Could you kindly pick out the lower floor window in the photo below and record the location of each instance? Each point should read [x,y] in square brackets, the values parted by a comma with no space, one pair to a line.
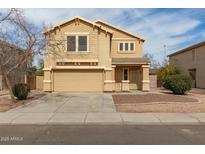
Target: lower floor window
[125,74]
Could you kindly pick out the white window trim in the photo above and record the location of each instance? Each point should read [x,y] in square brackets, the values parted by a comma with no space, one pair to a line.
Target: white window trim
[124,38]
[127,74]
[119,46]
[77,34]
[129,50]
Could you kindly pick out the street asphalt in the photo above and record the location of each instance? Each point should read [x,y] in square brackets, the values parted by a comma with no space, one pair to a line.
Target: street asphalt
[102,134]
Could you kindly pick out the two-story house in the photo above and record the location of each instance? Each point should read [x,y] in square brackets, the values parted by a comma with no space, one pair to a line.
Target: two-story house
[93,56]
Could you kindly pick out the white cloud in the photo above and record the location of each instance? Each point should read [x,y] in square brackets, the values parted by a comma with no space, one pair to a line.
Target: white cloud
[158,27]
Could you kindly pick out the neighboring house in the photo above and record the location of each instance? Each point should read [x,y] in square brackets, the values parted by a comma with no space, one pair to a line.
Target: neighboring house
[191,61]
[94,56]
[19,74]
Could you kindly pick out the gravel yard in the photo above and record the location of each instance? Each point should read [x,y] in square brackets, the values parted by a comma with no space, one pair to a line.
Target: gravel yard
[159,102]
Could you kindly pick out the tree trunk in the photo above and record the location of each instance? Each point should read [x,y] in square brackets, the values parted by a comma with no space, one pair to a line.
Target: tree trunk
[9,84]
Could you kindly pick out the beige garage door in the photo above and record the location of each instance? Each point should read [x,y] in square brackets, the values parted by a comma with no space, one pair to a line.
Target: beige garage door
[78,81]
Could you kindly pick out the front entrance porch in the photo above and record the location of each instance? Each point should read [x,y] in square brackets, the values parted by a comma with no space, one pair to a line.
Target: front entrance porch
[131,77]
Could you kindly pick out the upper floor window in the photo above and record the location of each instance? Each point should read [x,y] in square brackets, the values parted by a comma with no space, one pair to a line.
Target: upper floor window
[77,43]
[126,46]
[71,43]
[121,46]
[132,46]
[82,43]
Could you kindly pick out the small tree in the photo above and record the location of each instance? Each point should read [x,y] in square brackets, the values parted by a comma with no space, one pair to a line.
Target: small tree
[31,70]
[15,33]
[165,71]
[39,70]
[153,62]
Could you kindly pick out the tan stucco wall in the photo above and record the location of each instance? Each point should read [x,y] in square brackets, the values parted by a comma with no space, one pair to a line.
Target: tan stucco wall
[184,61]
[39,82]
[104,56]
[98,44]
[119,36]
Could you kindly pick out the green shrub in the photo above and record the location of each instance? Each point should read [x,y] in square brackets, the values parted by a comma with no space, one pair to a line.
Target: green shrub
[21,91]
[178,84]
[165,71]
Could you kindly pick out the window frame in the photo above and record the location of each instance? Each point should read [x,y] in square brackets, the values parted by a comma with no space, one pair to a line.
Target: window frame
[129,46]
[76,42]
[133,46]
[123,74]
[119,46]
[67,43]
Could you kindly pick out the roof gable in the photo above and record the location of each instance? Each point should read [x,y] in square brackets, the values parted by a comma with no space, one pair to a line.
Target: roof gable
[77,18]
[119,29]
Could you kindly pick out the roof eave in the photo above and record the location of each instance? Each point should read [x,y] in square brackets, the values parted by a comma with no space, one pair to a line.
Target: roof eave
[77,17]
[120,29]
[187,49]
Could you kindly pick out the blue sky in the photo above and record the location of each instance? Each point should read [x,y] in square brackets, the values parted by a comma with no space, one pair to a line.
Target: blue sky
[175,28]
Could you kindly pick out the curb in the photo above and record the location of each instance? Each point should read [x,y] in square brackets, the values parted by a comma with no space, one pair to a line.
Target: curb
[105,123]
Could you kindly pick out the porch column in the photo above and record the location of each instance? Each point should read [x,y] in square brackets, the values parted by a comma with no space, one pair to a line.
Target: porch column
[145,78]
[113,72]
[1,83]
[25,78]
[109,81]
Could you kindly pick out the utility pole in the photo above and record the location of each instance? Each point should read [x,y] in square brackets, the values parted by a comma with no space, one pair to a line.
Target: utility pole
[165,51]
[165,55]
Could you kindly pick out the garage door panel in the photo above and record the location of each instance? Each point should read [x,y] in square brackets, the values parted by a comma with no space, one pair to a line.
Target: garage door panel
[77,81]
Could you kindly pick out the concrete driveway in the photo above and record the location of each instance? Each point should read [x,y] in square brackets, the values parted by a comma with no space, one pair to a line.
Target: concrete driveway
[64,108]
[69,103]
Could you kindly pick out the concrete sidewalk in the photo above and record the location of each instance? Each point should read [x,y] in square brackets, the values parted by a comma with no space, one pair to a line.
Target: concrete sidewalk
[97,118]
